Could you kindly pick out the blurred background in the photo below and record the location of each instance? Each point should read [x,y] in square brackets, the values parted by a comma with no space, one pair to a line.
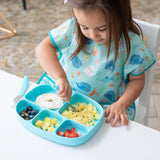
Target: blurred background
[17,54]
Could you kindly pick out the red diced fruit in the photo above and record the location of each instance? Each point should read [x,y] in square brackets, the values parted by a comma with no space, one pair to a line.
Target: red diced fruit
[66,134]
[73,129]
[67,130]
[60,133]
[73,135]
[69,133]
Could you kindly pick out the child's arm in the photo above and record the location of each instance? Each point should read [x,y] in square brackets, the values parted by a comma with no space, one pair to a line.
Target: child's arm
[118,110]
[46,54]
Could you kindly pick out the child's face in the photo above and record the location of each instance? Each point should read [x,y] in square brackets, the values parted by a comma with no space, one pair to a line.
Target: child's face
[93,25]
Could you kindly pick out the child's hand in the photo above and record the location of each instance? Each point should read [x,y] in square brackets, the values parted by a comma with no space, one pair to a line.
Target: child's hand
[65,90]
[117,113]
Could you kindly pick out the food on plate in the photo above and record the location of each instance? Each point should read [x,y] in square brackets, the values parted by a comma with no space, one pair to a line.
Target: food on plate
[69,133]
[49,100]
[84,114]
[48,124]
[28,113]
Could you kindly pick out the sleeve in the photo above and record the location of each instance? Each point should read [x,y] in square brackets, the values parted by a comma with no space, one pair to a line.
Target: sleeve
[140,58]
[62,36]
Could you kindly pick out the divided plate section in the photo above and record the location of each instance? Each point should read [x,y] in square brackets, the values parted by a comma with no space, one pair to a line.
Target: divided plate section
[45,124]
[68,124]
[45,96]
[47,121]
[37,91]
[72,137]
[27,110]
[79,98]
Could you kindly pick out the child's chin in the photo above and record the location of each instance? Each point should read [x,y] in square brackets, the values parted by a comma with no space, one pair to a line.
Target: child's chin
[100,42]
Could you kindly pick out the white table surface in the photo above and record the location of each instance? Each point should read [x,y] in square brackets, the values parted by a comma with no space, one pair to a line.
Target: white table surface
[134,142]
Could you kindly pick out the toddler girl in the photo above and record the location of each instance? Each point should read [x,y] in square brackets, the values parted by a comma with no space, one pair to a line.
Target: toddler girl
[101,55]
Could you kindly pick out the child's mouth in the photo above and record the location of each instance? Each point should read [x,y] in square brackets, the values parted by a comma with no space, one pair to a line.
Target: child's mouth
[98,41]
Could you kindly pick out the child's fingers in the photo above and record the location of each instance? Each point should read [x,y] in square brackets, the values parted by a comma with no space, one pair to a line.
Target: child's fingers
[116,120]
[65,93]
[65,99]
[110,117]
[107,111]
[61,90]
[124,119]
[65,90]
[68,94]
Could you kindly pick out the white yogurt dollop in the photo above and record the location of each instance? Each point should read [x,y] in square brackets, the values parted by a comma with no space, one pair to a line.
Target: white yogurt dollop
[49,100]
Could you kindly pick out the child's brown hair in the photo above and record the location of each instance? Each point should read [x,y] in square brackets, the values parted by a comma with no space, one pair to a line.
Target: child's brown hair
[120,21]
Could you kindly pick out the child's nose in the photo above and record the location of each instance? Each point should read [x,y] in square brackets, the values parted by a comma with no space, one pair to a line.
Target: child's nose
[93,35]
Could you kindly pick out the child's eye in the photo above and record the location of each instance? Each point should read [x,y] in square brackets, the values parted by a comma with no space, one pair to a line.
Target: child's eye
[84,28]
[102,29]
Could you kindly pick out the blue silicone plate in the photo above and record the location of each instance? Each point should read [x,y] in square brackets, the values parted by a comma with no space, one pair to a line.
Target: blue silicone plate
[86,132]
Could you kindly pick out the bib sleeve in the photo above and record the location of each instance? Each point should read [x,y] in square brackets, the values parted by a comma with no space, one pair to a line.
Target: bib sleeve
[140,58]
[62,36]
